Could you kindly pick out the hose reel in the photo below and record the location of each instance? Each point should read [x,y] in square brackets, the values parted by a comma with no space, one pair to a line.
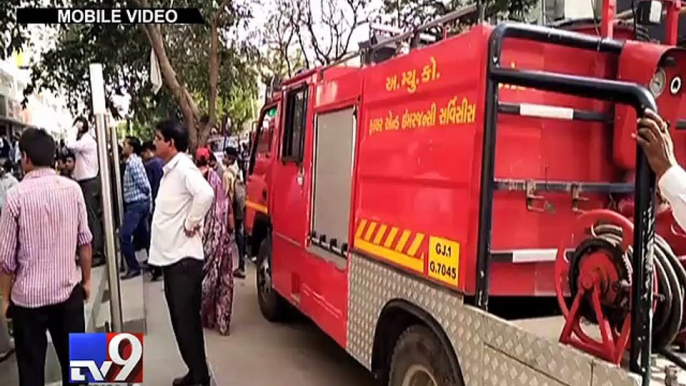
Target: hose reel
[598,275]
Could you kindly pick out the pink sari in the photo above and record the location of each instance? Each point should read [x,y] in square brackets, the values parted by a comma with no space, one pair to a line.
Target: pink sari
[220,248]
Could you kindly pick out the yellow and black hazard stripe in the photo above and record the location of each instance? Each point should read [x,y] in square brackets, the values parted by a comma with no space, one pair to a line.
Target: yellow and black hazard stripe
[399,246]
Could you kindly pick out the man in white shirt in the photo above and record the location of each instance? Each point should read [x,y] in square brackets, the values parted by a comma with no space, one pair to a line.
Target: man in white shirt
[653,136]
[183,199]
[86,169]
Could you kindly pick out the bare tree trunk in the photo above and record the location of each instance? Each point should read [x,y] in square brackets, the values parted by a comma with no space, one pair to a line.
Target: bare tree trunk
[189,109]
[182,97]
[215,23]
[214,77]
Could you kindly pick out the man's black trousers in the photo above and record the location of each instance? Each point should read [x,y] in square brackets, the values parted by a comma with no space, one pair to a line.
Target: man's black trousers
[91,194]
[183,290]
[31,342]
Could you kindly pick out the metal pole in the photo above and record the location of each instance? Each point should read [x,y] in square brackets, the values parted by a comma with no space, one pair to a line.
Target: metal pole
[117,175]
[98,94]
[643,269]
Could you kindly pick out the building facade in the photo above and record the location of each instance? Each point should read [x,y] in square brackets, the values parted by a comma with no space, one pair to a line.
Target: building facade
[44,110]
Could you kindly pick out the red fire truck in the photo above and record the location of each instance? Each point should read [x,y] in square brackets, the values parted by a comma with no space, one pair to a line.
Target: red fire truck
[388,201]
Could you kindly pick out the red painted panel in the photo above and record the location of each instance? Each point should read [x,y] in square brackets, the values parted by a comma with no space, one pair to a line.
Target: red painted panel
[418,162]
[418,126]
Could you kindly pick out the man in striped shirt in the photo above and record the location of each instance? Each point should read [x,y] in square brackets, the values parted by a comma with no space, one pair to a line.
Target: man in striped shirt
[137,203]
[43,223]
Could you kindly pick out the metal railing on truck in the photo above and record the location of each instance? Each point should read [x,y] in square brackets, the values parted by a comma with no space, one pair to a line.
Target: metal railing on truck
[594,88]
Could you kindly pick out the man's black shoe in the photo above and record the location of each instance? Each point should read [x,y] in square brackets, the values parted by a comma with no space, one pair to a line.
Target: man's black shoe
[6,355]
[182,381]
[130,275]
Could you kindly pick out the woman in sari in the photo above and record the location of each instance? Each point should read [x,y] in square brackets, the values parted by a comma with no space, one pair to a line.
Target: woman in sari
[220,248]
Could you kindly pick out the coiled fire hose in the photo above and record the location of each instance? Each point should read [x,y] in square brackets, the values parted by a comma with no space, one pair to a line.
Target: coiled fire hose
[668,320]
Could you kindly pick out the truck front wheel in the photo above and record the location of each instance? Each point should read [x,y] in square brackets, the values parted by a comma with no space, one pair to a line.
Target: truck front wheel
[273,307]
[419,359]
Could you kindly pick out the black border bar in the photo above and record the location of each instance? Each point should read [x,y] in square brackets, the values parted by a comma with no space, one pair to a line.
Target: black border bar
[609,90]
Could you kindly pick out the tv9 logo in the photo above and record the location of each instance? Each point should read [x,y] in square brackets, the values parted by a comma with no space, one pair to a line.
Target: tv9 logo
[106,358]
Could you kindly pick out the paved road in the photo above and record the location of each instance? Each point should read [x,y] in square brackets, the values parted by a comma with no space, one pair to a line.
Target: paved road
[257,353]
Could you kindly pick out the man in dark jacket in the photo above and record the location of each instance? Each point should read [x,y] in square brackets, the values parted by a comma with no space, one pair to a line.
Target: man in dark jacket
[154,169]
[237,197]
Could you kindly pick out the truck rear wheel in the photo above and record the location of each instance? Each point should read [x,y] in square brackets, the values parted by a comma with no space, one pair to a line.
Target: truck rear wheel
[419,359]
[273,307]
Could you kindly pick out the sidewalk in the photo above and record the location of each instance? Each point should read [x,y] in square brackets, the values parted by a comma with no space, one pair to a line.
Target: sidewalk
[162,361]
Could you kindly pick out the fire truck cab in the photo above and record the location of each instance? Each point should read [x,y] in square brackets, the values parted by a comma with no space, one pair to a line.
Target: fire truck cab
[389,201]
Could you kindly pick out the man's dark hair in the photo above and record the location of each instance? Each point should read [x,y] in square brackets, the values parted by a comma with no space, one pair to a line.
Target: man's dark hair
[135,143]
[231,151]
[148,145]
[84,121]
[38,146]
[63,156]
[174,131]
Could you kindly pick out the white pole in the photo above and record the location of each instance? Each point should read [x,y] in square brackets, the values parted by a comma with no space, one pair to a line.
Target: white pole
[99,110]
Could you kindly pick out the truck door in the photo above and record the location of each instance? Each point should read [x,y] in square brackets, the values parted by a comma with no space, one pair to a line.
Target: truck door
[259,178]
[333,143]
[289,197]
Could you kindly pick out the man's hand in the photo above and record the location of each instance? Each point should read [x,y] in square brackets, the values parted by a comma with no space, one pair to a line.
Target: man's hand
[86,290]
[192,232]
[653,137]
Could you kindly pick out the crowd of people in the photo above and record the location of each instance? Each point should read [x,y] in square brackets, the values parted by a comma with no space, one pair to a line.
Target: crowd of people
[185,210]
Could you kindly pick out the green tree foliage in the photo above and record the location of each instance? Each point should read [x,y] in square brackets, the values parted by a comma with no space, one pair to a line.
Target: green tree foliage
[282,56]
[15,36]
[206,65]
[136,129]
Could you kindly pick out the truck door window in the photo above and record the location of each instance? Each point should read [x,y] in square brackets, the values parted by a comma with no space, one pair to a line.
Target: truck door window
[264,144]
[294,130]
[266,131]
